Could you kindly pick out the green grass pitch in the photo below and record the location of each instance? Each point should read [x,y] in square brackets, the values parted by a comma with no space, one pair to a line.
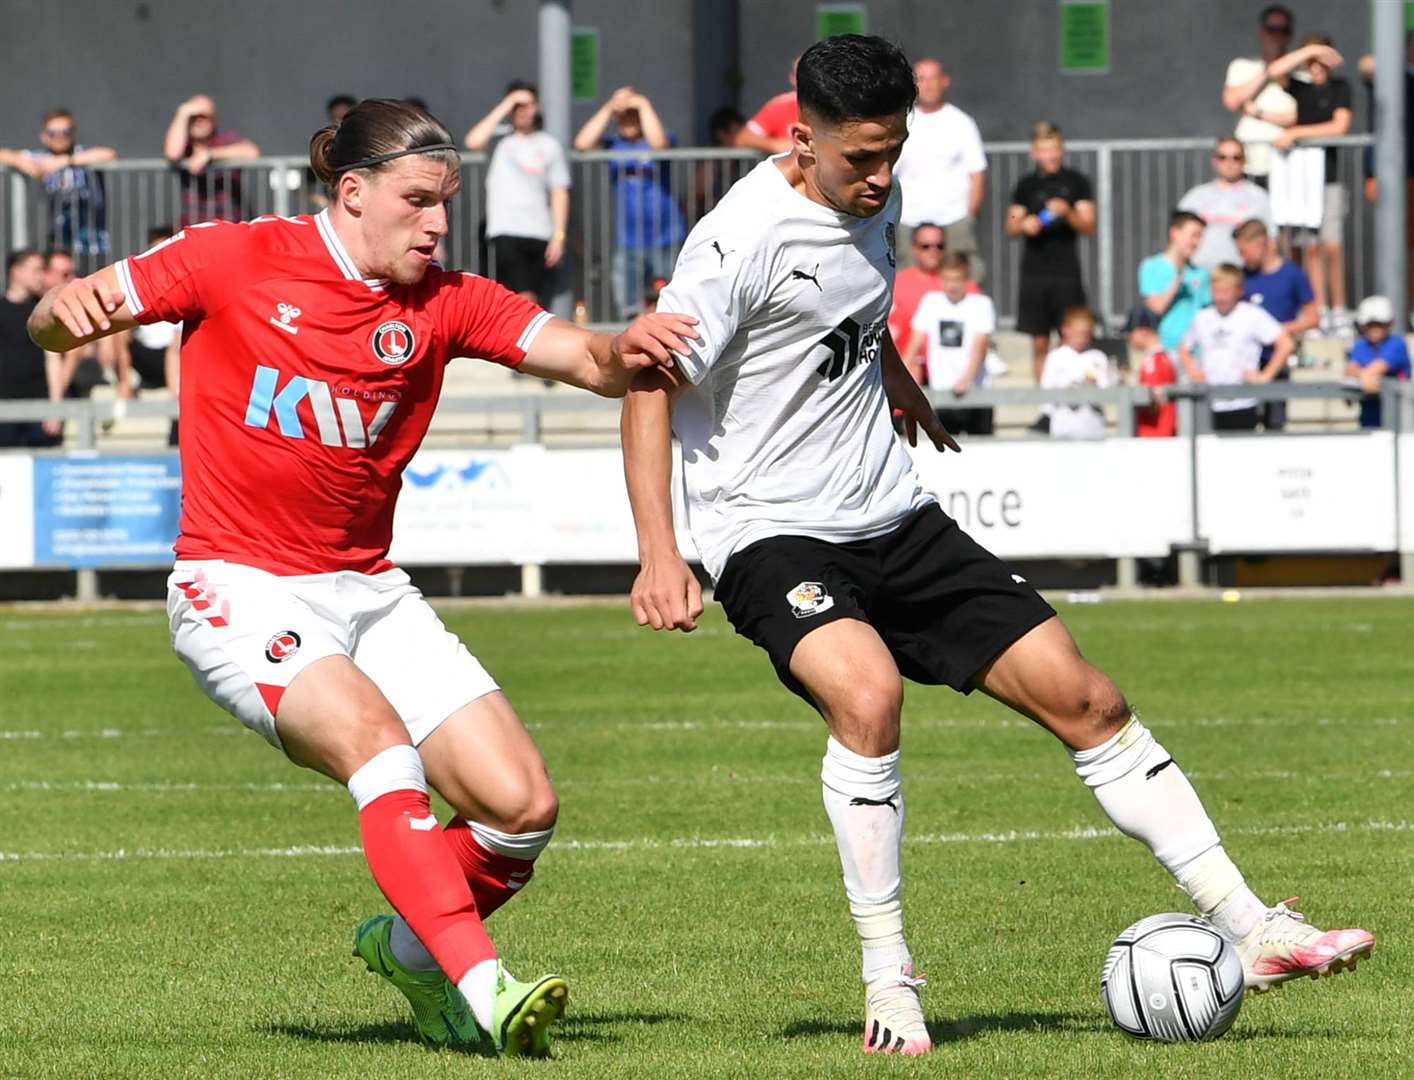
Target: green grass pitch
[178,901]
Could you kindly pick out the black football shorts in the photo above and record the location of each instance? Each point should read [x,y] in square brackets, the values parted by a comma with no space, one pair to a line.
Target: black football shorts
[944,605]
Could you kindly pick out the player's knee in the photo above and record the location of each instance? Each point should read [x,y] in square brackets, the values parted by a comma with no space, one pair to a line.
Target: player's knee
[1100,709]
[868,707]
[537,808]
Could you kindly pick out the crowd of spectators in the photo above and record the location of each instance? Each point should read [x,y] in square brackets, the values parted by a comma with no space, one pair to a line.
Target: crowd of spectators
[1270,222]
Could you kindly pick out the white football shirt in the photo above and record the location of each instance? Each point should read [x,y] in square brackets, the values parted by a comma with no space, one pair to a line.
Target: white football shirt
[786,430]
[943,150]
[1228,346]
[952,330]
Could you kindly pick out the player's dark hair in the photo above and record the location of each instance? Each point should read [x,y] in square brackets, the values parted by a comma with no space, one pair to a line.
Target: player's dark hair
[372,128]
[1180,218]
[854,77]
[18,256]
[1249,229]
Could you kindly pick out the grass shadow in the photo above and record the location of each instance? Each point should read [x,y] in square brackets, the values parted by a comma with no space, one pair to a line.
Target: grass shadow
[965,1027]
[574,1027]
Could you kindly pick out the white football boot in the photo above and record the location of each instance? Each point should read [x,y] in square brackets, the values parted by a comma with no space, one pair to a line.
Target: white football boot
[1285,946]
[893,1016]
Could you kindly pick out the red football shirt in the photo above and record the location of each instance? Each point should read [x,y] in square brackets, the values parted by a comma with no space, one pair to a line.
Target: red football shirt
[305,389]
[773,119]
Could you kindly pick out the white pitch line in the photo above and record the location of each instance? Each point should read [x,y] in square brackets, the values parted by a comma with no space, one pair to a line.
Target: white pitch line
[159,787]
[1071,834]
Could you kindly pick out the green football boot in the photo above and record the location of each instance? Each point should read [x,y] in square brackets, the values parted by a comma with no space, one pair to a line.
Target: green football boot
[522,1013]
[438,1008]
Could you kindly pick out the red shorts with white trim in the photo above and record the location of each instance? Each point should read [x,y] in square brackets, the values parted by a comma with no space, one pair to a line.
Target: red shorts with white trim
[246,634]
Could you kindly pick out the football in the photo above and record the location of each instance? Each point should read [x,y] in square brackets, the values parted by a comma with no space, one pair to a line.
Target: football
[1172,978]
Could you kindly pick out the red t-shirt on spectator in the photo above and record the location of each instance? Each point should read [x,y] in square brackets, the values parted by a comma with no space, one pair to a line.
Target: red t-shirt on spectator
[773,119]
[1157,421]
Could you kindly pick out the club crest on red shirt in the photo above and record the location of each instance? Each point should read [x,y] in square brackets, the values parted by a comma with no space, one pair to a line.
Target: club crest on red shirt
[393,342]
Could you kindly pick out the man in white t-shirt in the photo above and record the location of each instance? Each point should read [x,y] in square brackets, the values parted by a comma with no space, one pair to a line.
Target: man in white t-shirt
[947,349]
[830,556]
[1223,347]
[1265,105]
[942,169]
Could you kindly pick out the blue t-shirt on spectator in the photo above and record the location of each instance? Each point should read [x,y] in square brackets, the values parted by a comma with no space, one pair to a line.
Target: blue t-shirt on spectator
[648,216]
[1394,352]
[1282,293]
[1155,276]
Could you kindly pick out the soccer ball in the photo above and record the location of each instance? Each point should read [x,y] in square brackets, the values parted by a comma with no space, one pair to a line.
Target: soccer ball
[1173,978]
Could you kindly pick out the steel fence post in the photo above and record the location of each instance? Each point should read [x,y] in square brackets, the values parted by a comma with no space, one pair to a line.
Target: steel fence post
[1104,229]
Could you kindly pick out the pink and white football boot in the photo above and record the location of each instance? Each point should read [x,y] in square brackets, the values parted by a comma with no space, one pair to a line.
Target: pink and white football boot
[893,1016]
[1285,946]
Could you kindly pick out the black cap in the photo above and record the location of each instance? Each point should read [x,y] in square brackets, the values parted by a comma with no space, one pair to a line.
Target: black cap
[1140,318]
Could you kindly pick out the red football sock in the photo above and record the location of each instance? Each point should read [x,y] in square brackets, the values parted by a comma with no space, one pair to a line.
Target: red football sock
[494,878]
[418,874]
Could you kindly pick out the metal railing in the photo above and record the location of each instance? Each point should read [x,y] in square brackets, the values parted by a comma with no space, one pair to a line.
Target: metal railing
[1137,184]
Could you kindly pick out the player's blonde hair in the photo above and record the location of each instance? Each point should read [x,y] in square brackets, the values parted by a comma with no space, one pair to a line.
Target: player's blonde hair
[374,132]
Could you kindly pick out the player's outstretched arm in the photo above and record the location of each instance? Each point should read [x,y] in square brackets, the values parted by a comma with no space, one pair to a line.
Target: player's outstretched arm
[666,595]
[84,310]
[908,398]
[604,363]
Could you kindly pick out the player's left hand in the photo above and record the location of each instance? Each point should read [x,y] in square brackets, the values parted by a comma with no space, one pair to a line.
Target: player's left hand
[932,427]
[651,340]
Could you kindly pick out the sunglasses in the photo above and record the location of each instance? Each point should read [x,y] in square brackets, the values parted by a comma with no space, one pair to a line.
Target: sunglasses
[1228,157]
[59,133]
[1279,29]
[201,116]
[929,247]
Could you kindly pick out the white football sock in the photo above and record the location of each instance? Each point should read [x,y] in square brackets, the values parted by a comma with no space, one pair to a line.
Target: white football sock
[407,949]
[478,986]
[864,799]
[1146,795]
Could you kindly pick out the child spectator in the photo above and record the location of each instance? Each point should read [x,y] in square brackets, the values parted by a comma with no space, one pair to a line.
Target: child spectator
[1223,347]
[1155,370]
[1076,362]
[956,326]
[1376,355]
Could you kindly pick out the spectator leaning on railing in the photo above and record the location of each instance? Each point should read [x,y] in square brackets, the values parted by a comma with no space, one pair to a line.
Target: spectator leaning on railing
[1249,89]
[942,170]
[1224,345]
[527,192]
[1049,208]
[1170,285]
[953,329]
[1075,362]
[1322,112]
[203,155]
[1280,288]
[26,371]
[649,221]
[1378,354]
[1224,203]
[77,213]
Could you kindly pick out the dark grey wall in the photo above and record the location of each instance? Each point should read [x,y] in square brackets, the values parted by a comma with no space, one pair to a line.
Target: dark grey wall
[1167,58]
[123,65]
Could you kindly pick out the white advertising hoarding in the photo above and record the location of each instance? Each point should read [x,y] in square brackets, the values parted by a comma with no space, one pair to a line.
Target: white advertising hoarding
[1066,499]
[1298,493]
[16,510]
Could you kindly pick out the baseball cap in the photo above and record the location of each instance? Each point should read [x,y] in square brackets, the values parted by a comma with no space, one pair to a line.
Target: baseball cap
[1374,309]
[1140,318]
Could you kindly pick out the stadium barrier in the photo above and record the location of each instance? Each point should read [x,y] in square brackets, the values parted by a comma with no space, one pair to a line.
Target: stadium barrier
[531,504]
[1137,184]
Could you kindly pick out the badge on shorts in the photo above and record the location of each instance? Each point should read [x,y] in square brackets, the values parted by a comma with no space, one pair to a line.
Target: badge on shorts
[282,646]
[809,598]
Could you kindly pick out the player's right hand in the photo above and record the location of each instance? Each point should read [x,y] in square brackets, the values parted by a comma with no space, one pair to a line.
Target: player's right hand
[84,306]
[652,339]
[666,595]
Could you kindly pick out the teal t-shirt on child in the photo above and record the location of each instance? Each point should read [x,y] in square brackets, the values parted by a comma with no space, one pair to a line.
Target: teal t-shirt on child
[1155,276]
